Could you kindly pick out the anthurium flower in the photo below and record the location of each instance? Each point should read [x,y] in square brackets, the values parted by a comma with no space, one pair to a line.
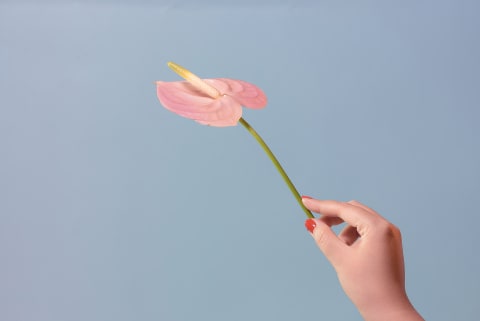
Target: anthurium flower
[215,102]
[218,102]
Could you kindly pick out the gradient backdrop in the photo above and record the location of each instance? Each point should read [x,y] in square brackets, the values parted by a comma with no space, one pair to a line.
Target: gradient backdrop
[113,208]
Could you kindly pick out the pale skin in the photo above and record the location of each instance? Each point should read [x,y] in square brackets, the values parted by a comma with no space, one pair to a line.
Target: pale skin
[367,256]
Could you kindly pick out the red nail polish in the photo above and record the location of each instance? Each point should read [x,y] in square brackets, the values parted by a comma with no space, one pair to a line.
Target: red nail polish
[310,225]
[305,196]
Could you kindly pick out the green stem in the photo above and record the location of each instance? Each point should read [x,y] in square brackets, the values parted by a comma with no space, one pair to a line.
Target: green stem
[277,165]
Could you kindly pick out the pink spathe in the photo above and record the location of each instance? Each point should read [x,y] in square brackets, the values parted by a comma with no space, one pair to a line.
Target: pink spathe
[218,102]
[182,98]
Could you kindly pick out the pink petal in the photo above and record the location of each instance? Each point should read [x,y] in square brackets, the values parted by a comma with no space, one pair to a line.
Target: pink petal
[183,99]
[245,93]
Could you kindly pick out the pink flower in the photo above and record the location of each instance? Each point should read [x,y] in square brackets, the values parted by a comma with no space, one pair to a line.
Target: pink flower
[215,102]
[218,102]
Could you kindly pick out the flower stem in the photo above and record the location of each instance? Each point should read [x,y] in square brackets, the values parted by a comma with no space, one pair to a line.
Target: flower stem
[277,165]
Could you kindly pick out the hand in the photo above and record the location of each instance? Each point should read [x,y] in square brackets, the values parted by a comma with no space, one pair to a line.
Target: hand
[367,256]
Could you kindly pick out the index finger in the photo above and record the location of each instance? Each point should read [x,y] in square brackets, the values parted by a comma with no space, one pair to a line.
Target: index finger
[350,213]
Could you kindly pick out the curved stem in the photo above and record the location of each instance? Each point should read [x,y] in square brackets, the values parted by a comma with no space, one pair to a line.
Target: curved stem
[277,165]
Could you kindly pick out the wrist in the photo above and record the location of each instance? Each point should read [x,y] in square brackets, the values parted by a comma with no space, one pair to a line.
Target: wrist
[403,311]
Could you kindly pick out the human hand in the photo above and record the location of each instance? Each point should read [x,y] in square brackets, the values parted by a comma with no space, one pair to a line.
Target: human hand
[367,256]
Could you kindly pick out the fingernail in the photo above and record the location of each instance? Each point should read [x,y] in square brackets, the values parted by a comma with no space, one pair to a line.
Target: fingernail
[305,196]
[310,225]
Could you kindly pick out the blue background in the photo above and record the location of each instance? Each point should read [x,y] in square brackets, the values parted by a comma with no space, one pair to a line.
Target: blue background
[113,208]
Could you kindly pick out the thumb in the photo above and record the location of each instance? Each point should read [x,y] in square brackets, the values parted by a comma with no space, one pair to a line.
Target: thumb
[326,240]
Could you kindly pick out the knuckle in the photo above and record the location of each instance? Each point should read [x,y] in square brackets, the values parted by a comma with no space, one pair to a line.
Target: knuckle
[320,236]
[388,230]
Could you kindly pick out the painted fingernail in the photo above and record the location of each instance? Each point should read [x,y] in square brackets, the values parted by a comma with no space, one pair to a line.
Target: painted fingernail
[310,225]
[305,196]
